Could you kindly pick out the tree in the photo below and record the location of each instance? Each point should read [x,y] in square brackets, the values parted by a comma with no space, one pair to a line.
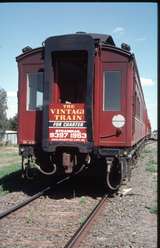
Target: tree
[3,108]
[12,123]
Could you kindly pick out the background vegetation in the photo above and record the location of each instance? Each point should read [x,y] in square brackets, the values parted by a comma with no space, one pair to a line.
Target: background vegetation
[6,124]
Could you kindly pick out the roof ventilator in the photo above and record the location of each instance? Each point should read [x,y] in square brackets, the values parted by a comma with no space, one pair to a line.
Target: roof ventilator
[126,47]
[26,49]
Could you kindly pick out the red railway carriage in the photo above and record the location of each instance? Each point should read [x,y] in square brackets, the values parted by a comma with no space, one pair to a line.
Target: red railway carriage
[79,97]
[30,87]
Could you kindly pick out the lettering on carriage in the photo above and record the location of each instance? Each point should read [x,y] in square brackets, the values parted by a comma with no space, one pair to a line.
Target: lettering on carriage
[67,114]
[67,122]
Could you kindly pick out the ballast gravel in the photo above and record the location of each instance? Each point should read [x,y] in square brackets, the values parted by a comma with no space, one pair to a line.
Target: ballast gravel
[127,220]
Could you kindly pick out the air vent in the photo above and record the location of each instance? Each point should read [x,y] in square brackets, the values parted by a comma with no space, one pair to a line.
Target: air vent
[26,49]
[126,47]
[80,32]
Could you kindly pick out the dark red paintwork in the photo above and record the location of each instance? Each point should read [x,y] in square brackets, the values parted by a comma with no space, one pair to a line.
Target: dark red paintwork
[30,122]
[103,120]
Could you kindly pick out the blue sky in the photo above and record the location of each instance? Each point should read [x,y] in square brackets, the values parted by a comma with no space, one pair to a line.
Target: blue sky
[29,24]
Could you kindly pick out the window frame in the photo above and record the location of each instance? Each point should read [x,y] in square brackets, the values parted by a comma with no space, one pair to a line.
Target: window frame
[28,100]
[104,92]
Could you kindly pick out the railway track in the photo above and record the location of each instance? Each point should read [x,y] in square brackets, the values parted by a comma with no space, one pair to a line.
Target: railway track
[82,231]
[30,199]
[150,141]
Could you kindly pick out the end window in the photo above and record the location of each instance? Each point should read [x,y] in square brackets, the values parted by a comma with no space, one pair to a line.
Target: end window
[34,91]
[112,91]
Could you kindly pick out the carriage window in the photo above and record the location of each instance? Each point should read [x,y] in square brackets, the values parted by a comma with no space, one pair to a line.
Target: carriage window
[34,91]
[112,91]
[137,107]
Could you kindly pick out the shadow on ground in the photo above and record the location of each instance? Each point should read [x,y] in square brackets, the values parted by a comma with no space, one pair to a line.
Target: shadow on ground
[85,184]
[14,183]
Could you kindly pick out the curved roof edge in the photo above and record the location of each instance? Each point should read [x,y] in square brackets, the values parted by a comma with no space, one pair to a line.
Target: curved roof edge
[25,54]
[102,38]
[117,49]
[105,38]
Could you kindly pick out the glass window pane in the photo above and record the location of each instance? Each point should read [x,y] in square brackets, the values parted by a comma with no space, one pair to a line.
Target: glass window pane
[40,81]
[31,91]
[112,91]
[39,99]
[35,90]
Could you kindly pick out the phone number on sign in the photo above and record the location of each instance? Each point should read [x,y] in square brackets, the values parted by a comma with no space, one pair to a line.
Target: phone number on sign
[64,135]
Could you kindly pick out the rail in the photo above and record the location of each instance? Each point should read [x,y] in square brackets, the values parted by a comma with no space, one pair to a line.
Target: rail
[30,199]
[84,228]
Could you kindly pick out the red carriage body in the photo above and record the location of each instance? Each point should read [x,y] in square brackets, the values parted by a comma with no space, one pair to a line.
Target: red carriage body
[80,92]
[121,100]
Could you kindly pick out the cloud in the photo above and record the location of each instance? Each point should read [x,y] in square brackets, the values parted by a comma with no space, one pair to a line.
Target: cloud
[118,30]
[147,81]
[11,93]
[12,105]
[152,113]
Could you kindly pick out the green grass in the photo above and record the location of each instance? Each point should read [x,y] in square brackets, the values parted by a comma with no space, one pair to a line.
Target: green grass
[5,171]
[147,151]
[142,156]
[82,220]
[9,154]
[151,166]
[153,209]
[144,153]
[82,200]
[2,191]
[29,219]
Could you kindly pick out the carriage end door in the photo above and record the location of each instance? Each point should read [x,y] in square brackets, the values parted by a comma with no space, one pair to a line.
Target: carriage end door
[113,104]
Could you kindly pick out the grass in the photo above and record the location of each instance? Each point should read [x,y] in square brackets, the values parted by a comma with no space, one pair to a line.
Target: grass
[147,151]
[142,156]
[82,220]
[29,219]
[2,191]
[9,154]
[82,200]
[5,171]
[153,209]
[151,166]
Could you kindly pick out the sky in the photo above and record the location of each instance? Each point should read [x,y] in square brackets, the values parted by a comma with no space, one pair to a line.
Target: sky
[29,24]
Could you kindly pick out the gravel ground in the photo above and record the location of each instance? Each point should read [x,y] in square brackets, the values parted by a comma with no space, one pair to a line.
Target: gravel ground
[45,223]
[10,200]
[50,221]
[126,221]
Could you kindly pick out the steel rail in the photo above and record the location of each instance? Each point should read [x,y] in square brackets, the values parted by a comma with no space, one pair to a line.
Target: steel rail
[150,141]
[30,199]
[84,228]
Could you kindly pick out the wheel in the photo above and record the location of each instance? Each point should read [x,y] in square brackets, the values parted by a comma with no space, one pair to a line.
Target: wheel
[114,174]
